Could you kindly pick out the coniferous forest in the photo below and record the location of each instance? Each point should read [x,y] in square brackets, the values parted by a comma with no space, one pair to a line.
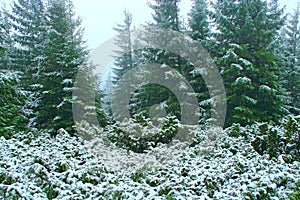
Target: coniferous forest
[255,46]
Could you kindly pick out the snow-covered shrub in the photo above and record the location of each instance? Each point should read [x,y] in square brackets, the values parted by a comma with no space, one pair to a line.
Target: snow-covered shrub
[296,194]
[292,138]
[276,140]
[139,134]
[231,170]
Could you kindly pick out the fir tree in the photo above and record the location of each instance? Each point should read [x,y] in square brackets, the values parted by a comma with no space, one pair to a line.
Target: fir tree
[166,14]
[87,97]
[290,54]
[5,40]
[247,59]
[198,21]
[124,61]
[12,100]
[64,54]
[27,20]
[200,31]
[29,34]
[12,97]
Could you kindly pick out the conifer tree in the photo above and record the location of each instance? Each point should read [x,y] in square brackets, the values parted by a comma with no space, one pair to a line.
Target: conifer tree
[198,21]
[290,54]
[247,59]
[5,40]
[28,28]
[200,31]
[165,16]
[124,62]
[12,100]
[88,97]
[29,34]
[64,54]
[12,97]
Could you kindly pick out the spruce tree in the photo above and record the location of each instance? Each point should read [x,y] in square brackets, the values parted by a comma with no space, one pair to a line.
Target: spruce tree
[12,97]
[87,97]
[198,21]
[124,61]
[29,34]
[64,54]
[247,59]
[12,100]
[28,26]
[165,16]
[290,53]
[4,39]
[200,31]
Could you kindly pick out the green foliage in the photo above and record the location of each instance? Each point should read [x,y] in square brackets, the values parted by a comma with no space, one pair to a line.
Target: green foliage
[9,194]
[49,51]
[12,101]
[27,18]
[211,186]
[138,176]
[166,14]
[58,73]
[117,196]
[289,57]
[296,194]
[125,60]
[39,161]
[141,137]
[199,20]
[32,35]
[262,141]
[89,179]
[93,176]
[62,167]
[5,179]
[5,41]
[235,130]
[87,102]
[247,61]
[100,113]
[165,192]
[50,191]
[278,140]
[291,139]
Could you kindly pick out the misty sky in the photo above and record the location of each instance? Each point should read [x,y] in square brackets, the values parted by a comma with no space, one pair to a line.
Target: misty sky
[99,17]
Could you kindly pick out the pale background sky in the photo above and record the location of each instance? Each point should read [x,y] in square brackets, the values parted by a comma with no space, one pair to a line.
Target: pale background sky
[100,16]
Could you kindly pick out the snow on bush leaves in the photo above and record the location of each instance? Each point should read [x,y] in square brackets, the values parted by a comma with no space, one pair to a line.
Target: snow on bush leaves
[40,167]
